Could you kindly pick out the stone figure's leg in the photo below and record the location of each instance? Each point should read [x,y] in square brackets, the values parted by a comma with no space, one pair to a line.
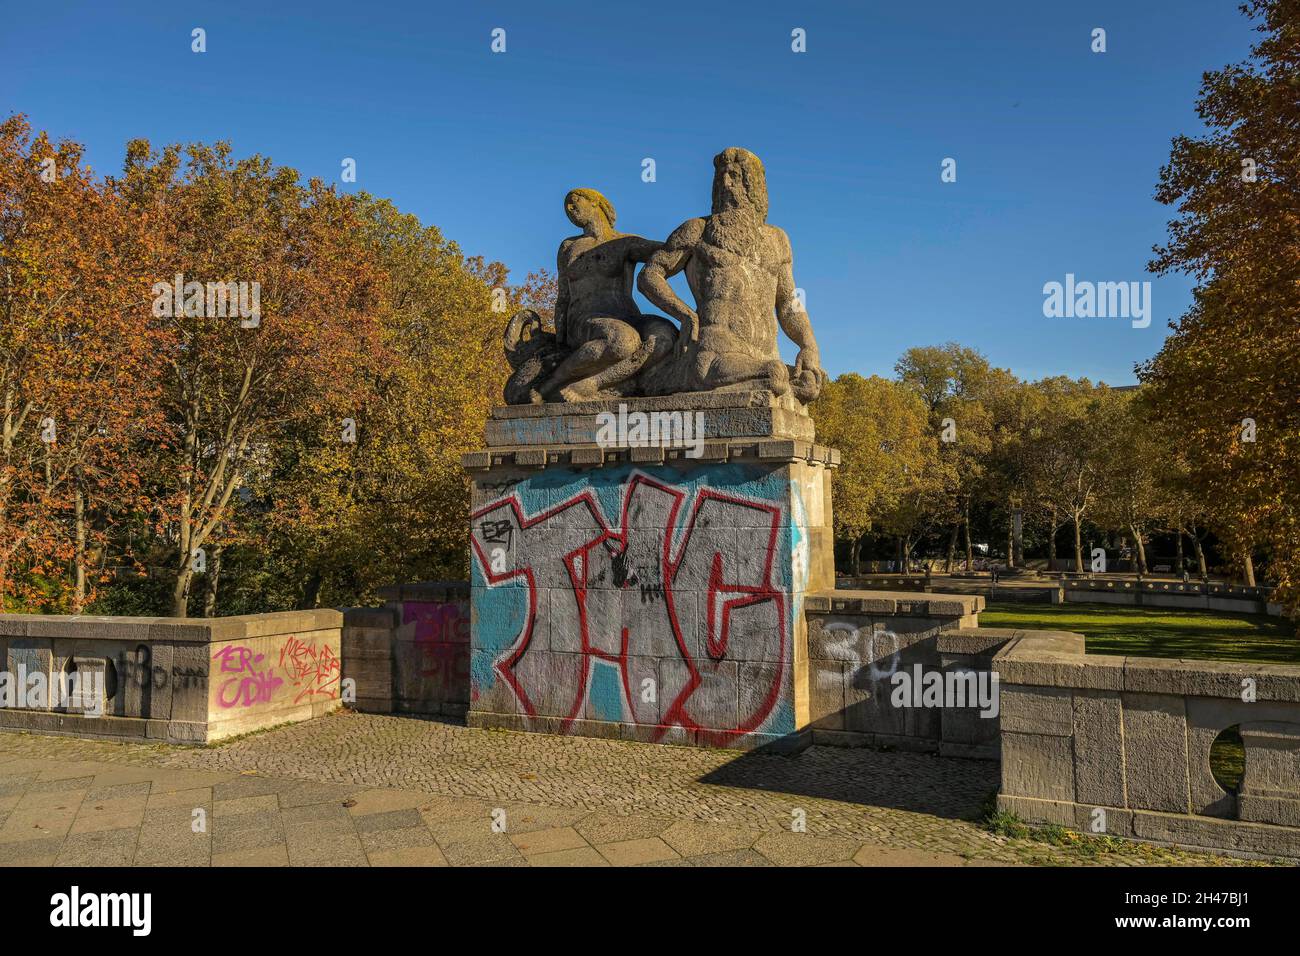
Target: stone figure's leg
[735,369]
[657,337]
[609,341]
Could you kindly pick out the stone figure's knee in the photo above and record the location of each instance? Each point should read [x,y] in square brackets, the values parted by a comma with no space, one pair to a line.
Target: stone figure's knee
[623,341]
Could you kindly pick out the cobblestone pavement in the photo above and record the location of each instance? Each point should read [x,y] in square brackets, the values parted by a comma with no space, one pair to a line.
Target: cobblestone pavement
[363,788]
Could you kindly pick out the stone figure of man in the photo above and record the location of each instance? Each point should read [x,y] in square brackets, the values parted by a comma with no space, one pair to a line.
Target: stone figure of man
[740,271]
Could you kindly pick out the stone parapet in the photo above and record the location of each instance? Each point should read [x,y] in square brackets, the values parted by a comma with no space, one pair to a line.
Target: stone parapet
[180,680]
[1121,745]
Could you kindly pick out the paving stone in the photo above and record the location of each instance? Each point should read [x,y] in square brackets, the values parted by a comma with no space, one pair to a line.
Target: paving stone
[871,855]
[315,813]
[387,820]
[697,839]
[705,803]
[403,838]
[481,851]
[408,856]
[267,802]
[89,821]
[601,828]
[100,848]
[547,841]
[245,831]
[577,856]
[730,858]
[101,793]
[274,855]
[39,852]
[634,852]
[804,849]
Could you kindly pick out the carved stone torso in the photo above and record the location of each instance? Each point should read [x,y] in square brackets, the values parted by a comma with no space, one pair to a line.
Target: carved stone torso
[736,294]
[599,275]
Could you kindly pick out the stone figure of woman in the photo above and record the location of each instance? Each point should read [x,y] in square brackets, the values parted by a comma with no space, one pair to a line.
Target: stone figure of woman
[606,340]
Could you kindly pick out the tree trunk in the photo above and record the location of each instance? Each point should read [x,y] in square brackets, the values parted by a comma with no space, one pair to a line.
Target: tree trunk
[310,591]
[1141,551]
[1051,542]
[856,557]
[181,592]
[1200,554]
[79,558]
[952,549]
[970,553]
[1248,567]
[1078,543]
[1011,542]
[212,581]
[1179,555]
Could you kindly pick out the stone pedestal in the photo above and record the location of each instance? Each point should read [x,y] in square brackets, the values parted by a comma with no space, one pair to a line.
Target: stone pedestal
[652,593]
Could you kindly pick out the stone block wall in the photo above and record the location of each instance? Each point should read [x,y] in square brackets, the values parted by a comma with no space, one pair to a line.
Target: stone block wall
[645,594]
[169,679]
[859,641]
[1171,594]
[411,656]
[1126,741]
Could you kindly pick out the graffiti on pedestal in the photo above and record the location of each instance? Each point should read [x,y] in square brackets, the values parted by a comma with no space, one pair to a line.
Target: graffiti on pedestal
[673,614]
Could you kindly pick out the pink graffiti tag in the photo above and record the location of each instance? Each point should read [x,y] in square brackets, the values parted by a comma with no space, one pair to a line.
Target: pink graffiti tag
[313,671]
[441,640]
[251,686]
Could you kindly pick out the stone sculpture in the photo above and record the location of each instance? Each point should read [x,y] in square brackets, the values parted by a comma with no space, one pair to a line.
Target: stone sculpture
[601,340]
[740,272]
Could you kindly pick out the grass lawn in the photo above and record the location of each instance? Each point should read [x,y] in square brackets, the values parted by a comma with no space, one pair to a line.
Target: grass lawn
[1158,632]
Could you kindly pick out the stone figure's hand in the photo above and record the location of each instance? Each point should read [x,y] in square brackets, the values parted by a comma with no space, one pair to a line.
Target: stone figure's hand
[809,360]
[690,331]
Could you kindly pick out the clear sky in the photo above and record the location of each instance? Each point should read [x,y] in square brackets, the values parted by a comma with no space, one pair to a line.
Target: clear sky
[1058,148]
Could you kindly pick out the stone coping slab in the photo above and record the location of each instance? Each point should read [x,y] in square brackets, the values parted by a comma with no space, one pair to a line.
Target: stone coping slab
[911,603]
[189,630]
[681,401]
[771,451]
[426,591]
[1057,659]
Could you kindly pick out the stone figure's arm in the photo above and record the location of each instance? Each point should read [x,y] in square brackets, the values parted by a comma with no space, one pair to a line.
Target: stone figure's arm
[663,265]
[791,313]
[561,295]
[641,249]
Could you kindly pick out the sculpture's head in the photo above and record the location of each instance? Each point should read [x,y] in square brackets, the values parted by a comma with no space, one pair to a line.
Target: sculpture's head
[739,181]
[585,207]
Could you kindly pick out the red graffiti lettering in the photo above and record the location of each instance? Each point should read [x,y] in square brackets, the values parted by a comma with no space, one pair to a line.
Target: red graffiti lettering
[313,671]
[683,608]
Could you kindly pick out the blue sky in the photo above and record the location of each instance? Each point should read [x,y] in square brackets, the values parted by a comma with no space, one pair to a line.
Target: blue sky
[1057,148]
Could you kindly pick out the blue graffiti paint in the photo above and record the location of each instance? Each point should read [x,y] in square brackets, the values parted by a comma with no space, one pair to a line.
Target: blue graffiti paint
[605,695]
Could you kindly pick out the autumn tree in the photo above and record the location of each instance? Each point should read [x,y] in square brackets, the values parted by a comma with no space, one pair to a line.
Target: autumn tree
[1131,497]
[391,503]
[1229,375]
[953,382]
[237,381]
[881,430]
[76,368]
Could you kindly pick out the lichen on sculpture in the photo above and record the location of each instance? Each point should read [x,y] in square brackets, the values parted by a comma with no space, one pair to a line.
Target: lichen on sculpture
[740,271]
